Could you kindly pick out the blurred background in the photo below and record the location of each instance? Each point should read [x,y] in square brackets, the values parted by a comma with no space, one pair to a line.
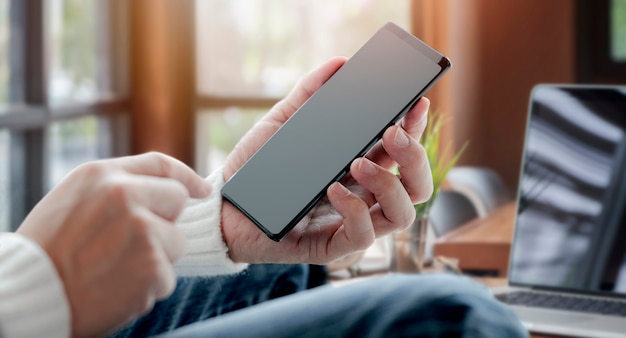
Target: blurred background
[88,79]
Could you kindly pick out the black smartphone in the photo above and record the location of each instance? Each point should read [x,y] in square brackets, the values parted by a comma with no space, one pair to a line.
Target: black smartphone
[341,121]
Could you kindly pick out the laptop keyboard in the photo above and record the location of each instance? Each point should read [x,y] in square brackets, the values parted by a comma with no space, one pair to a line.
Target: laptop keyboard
[565,302]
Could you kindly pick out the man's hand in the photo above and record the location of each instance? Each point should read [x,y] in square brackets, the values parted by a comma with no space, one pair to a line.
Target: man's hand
[368,203]
[108,227]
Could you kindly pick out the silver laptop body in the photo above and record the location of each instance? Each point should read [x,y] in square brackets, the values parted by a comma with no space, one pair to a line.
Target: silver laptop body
[568,255]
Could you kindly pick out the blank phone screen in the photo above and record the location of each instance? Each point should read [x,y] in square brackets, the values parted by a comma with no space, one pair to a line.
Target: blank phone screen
[283,180]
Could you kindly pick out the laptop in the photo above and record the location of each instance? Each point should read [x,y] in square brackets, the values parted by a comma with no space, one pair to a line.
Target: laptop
[567,269]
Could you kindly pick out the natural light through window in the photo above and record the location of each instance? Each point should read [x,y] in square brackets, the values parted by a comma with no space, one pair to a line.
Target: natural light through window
[4,52]
[72,50]
[618,30]
[70,143]
[259,48]
[4,180]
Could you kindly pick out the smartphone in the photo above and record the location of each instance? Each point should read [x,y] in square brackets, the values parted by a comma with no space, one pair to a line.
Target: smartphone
[341,121]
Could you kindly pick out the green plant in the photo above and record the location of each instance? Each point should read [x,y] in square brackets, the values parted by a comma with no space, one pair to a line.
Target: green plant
[439,165]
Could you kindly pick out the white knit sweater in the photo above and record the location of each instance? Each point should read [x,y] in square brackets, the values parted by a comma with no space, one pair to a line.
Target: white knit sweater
[32,298]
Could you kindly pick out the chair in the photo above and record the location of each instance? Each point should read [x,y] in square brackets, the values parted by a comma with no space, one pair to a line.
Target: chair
[450,210]
[472,192]
[482,186]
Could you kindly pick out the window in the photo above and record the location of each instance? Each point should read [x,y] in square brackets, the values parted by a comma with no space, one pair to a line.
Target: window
[218,130]
[56,82]
[601,41]
[4,97]
[77,45]
[72,50]
[250,53]
[4,52]
[618,30]
[4,180]
[70,143]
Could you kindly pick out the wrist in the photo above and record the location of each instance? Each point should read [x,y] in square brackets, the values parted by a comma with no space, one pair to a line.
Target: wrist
[231,218]
[208,251]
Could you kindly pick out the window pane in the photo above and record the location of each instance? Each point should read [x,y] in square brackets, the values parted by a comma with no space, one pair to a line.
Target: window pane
[618,30]
[4,180]
[4,52]
[260,48]
[71,143]
[218,132]
[72,50]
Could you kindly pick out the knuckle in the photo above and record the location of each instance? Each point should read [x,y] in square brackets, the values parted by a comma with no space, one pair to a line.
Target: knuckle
[162,161]
[155,155]
[116,192]
[139,224]
[91,169]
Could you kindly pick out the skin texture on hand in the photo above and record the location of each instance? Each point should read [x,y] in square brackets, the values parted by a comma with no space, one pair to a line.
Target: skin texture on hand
[369,202]
[108,227]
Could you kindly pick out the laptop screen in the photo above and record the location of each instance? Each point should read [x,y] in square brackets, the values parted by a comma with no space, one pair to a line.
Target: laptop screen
[571,226]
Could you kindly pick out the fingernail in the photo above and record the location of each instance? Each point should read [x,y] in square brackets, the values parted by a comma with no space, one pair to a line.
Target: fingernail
[340,190]
[367,167]
[401,138]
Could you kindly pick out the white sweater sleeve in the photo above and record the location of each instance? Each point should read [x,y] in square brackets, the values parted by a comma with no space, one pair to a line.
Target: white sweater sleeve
[207,253]
[32,298]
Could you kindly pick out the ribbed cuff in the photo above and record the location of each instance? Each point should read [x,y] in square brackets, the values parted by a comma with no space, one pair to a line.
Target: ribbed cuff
[32,297]
[207,254]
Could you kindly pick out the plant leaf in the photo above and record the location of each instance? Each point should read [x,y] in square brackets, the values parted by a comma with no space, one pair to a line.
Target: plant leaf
[431,141]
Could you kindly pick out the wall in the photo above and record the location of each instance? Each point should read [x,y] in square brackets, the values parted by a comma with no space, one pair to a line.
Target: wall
[499,51]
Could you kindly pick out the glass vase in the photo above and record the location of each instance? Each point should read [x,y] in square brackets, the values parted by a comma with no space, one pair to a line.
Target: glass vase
[408,247]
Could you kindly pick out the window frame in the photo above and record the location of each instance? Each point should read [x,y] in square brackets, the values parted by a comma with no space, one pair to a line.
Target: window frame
[29,113]
[593,31]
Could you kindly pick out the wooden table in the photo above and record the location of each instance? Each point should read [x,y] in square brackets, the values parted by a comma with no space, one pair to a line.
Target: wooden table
[482,244]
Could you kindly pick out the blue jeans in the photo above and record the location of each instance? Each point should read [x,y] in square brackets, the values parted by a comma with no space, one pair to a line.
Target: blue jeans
[392,306]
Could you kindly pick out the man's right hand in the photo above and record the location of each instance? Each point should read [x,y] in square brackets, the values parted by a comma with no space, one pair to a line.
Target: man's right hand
[108,227]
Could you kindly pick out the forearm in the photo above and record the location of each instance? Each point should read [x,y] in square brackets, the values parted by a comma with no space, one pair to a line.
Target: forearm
[32,298]
[207,254]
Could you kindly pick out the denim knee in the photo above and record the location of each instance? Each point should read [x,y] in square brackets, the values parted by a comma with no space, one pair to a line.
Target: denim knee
[440,305]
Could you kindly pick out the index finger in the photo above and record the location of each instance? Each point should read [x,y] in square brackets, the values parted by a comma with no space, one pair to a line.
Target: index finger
[161,165]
